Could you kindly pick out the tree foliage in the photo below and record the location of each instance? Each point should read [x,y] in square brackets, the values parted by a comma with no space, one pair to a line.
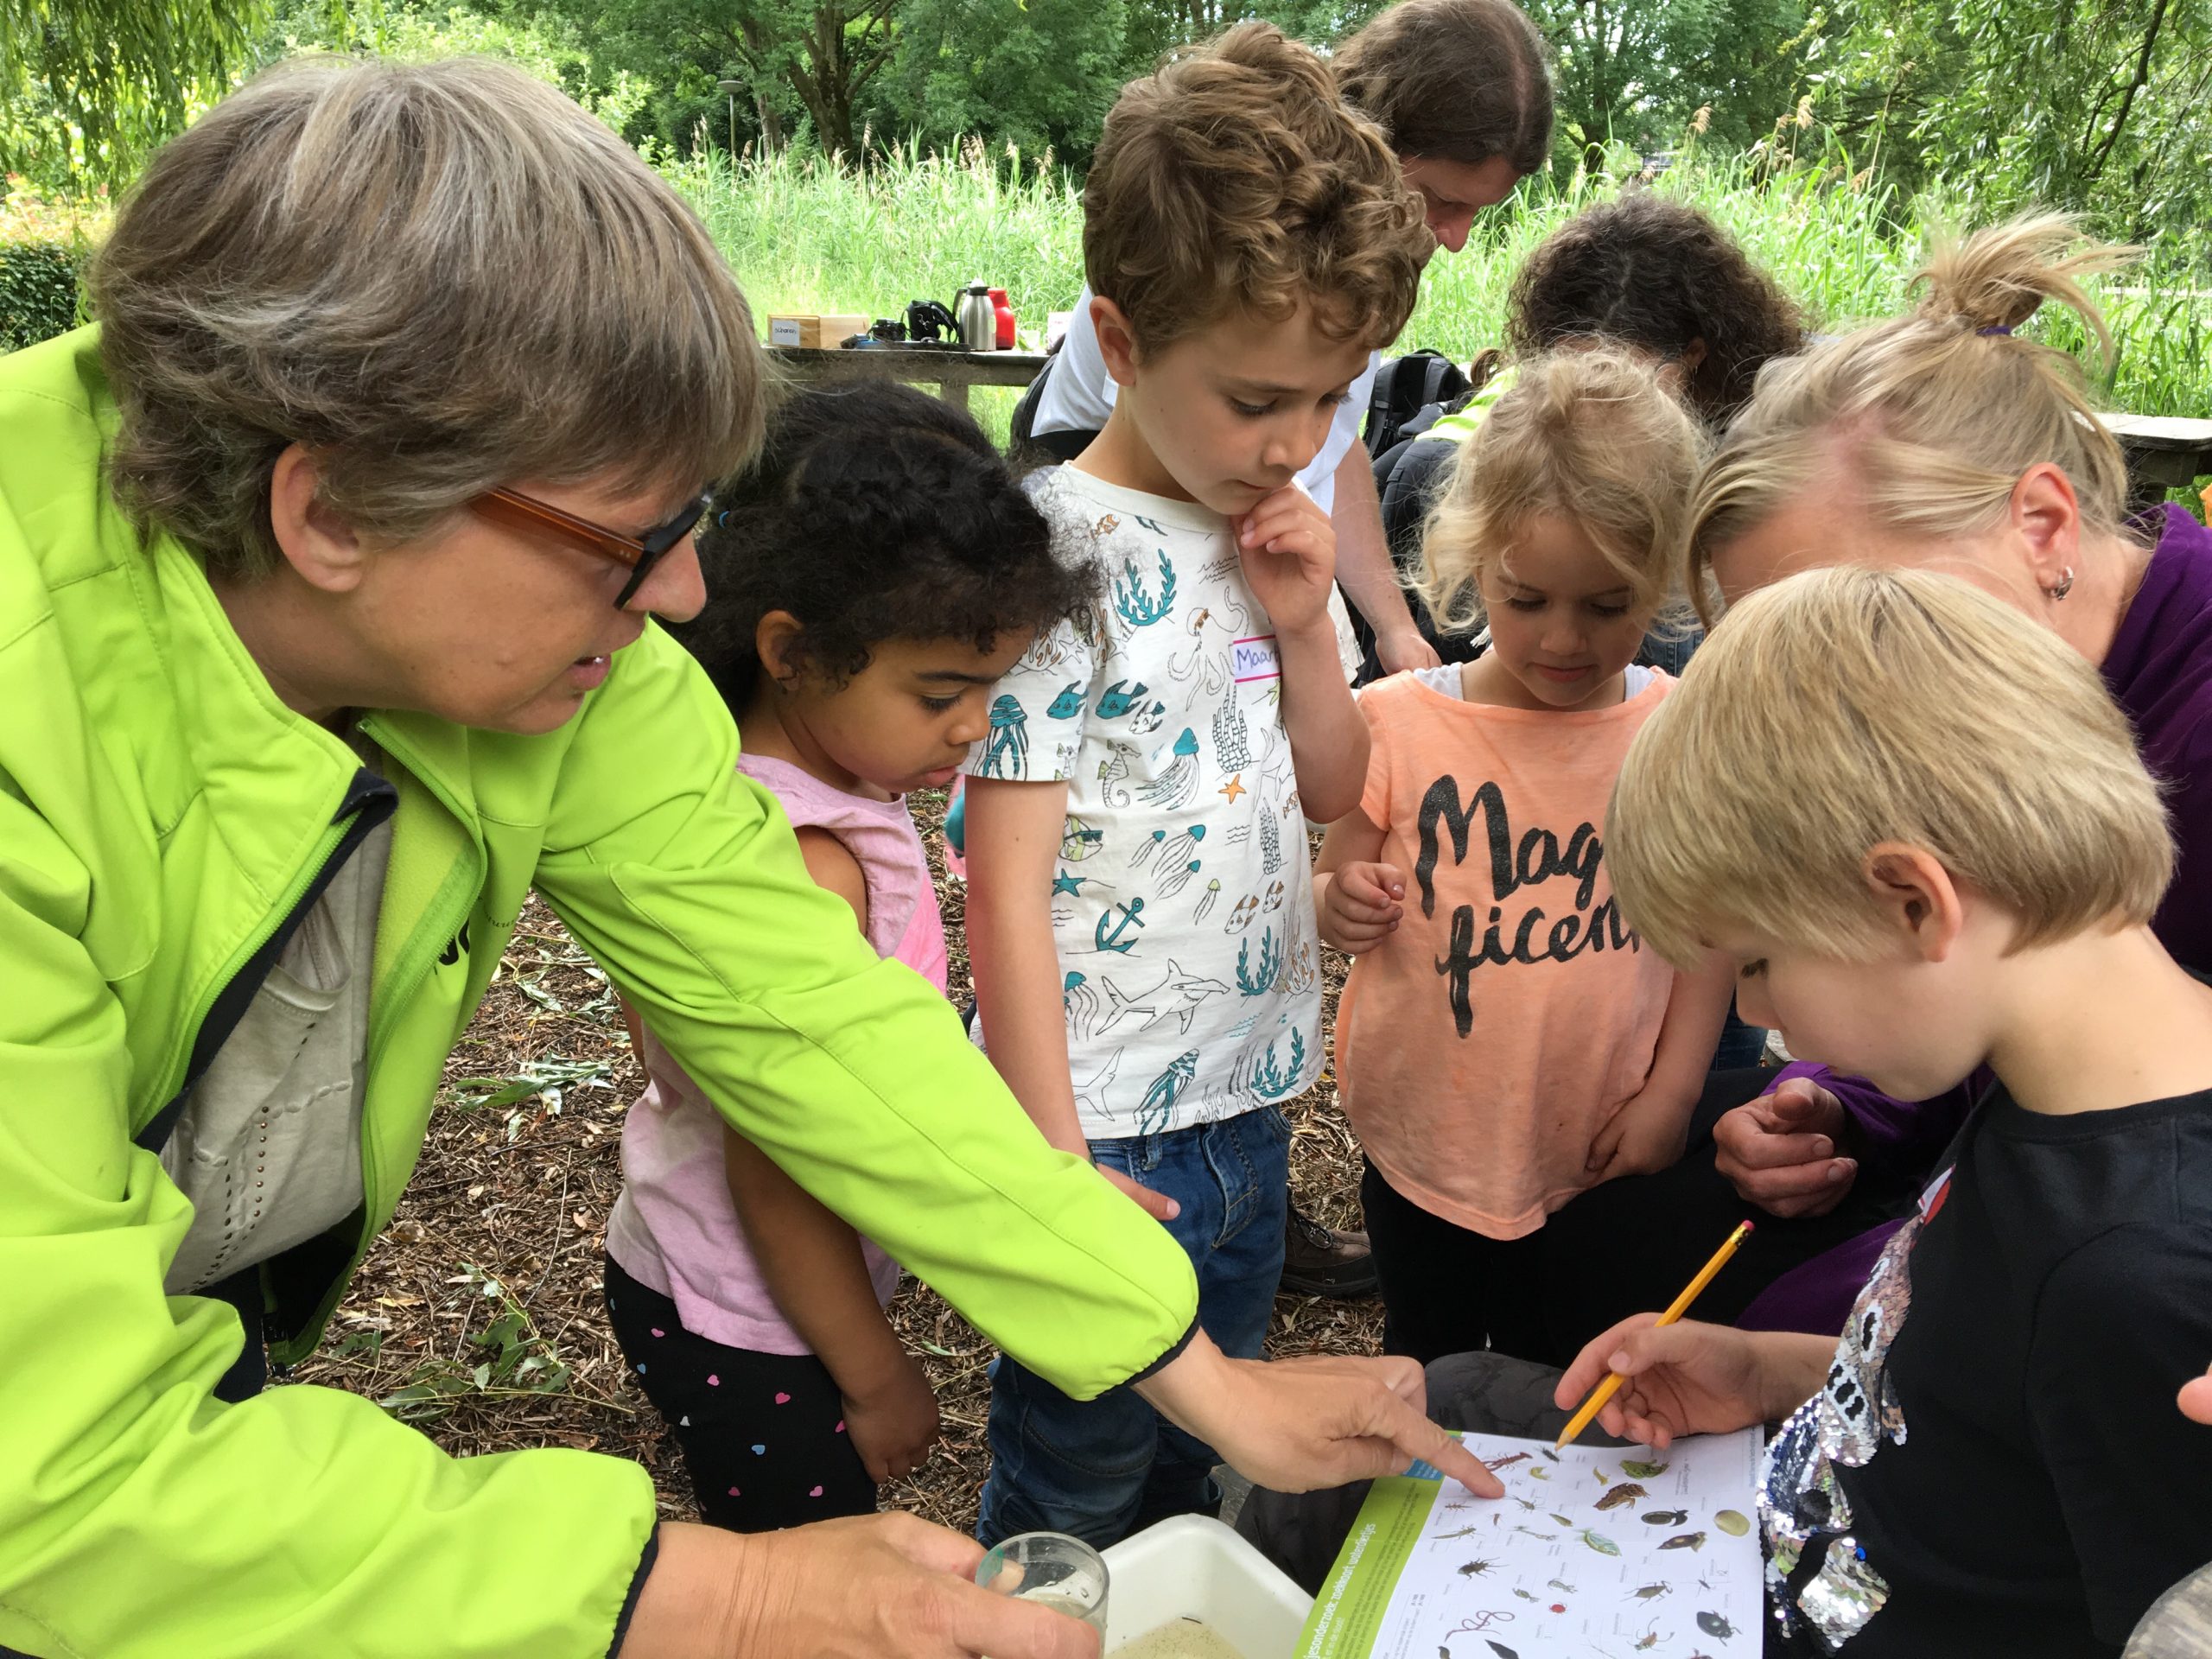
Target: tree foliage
[2097,105]
[86,85]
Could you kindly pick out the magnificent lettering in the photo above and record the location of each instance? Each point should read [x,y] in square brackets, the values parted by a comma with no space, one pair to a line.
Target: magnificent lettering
[1537,856]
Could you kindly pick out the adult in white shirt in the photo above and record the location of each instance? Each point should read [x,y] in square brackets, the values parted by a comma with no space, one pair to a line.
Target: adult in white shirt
[1462,88]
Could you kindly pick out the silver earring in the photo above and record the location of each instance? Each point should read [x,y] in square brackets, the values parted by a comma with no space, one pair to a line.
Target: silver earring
[2064,586]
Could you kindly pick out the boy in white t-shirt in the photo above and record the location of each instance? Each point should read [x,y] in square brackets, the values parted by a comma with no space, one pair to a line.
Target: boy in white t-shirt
[1463,90]
[1140,915]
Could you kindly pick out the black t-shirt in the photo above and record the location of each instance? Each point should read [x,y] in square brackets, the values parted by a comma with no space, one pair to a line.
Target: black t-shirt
[1996,1466]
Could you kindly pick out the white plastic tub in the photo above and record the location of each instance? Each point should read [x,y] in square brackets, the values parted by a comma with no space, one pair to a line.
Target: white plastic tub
[1193,1566]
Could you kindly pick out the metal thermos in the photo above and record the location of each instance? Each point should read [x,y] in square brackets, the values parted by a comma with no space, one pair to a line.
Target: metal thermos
[979,324]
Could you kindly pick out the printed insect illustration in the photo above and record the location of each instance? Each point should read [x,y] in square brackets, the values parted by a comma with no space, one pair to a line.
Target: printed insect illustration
[1713,1626]
[1647,1641]
[1652,1592]
[1523,1594]
[1732,1523]
[1540,1474]
[1636,1470]
[1548,1537]
[1560,1583]
[1666,1517]
[1477,1569]
[1685,1541]
[1464,1532]
[1528,1504]
[1562,1519]
[1511,1457]
[1627,1492]
[1548,1453]
[1598,1540]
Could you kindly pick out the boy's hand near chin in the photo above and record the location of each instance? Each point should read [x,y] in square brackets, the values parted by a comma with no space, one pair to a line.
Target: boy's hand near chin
[1289,548]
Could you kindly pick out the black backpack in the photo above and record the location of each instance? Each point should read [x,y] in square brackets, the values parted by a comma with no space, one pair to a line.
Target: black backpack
[1403,387]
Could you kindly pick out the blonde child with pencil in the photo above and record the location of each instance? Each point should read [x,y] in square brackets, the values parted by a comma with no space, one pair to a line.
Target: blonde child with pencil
[1947,857]
[1505,1041]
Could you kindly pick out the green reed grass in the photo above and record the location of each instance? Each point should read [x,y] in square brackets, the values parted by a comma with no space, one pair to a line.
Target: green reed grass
[806,233]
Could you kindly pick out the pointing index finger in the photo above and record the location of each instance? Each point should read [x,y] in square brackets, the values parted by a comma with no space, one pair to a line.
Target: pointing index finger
[1464,1466]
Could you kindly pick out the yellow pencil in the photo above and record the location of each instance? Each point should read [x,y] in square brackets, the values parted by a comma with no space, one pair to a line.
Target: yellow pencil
[1606,1390]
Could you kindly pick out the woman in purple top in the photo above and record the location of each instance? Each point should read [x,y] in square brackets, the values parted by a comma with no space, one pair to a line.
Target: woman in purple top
[1941,439]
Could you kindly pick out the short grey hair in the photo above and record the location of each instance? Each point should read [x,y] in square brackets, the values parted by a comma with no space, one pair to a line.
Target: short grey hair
[440,277]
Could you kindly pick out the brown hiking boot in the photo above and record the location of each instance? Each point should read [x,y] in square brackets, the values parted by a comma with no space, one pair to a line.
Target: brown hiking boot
[1319,1260]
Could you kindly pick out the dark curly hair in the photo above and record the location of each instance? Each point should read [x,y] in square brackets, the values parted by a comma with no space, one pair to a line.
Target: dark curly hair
[1649,271]
[874,513]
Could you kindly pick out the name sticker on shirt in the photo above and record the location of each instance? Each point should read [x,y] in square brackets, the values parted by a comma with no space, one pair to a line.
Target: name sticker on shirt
[1255,659]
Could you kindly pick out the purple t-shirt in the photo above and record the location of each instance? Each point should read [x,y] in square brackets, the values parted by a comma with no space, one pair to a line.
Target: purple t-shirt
[2160,671]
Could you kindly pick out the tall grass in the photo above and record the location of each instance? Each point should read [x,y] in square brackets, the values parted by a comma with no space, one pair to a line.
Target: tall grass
[808,234]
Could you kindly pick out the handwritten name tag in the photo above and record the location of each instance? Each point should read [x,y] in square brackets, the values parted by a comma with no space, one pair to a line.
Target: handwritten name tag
[1255,659]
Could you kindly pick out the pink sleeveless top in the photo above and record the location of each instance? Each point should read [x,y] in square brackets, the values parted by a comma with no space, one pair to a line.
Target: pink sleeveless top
[675,1227]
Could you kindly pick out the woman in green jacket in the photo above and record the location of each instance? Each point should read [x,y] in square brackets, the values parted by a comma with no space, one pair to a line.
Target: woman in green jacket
[326,572]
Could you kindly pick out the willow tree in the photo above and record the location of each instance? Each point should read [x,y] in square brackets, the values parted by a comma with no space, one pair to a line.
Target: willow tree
[87,85]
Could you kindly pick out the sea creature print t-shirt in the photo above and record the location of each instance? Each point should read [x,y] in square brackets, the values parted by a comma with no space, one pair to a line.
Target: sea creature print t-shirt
[1181,901]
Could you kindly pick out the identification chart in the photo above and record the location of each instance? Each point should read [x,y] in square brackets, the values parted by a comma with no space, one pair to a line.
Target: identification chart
[1605,1551]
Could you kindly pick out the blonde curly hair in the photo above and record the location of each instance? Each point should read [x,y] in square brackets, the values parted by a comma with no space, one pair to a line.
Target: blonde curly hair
[1585,434]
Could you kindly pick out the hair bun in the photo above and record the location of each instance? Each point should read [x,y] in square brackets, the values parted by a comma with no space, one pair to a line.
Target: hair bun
[1996,279]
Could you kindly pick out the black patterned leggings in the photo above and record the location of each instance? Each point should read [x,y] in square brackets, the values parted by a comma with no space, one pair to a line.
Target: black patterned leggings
[763,1435]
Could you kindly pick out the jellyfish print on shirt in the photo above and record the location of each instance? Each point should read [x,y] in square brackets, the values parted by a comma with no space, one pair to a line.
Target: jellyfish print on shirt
[1006,756]
[1178,786]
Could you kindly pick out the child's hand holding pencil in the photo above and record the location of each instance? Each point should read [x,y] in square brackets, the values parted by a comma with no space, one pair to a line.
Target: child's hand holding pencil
[1685,1378]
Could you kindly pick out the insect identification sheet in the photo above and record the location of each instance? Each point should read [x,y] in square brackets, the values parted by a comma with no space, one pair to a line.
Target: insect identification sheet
[1605,1551]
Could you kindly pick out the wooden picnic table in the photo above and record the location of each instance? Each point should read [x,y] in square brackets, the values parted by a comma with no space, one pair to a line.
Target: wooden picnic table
[2163,451]
[952,372]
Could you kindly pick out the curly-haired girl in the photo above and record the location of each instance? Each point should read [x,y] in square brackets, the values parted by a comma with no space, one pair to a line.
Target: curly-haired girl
[871,578]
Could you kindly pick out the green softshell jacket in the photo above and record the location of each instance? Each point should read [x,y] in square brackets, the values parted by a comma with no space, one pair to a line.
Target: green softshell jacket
[161,813]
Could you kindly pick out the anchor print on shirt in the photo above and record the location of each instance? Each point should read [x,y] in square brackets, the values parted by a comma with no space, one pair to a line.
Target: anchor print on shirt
[1118,920]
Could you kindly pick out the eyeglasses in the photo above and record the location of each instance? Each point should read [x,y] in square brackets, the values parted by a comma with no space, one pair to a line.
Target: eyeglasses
[637,553]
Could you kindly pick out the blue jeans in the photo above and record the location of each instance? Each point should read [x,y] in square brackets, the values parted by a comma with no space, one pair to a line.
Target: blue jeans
[1740,1046]
[1102,1468]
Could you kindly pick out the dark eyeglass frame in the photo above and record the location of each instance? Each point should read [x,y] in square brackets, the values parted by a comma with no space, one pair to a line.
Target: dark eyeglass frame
[636,554]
